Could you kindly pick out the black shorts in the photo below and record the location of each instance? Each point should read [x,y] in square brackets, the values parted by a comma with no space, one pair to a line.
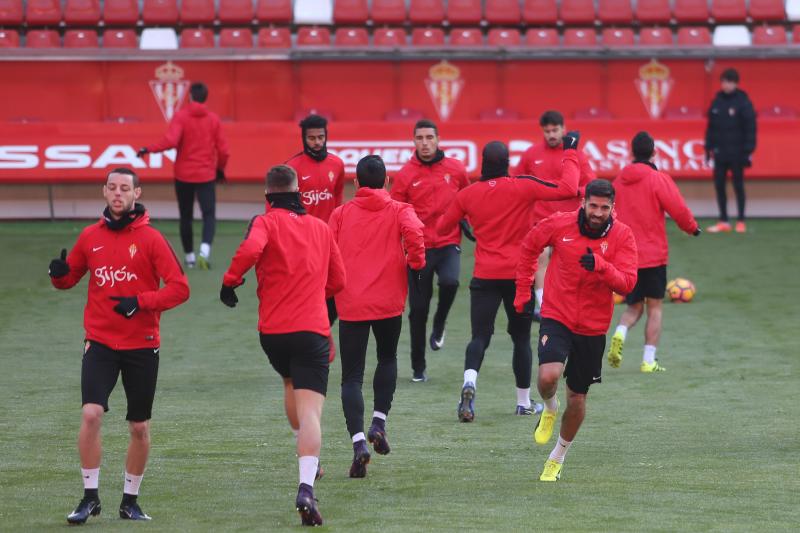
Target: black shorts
[650,283]
[301,356]
[139,368]
[583,354]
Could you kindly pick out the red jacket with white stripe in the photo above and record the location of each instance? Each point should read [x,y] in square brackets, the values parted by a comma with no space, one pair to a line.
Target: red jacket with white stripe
[321,183]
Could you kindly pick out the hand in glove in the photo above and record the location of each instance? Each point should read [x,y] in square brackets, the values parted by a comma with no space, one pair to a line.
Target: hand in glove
[59,267]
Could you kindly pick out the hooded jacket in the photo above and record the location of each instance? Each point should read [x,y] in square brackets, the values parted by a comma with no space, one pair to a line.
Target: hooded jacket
[378,237]
[731,129]
[321,183]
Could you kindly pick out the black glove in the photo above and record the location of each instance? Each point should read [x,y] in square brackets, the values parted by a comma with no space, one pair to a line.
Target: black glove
[571,139]
[587,260]
[708,157]
[747,160]
[127,306]
[221,176]
[416,278]
[466,229]
[141,152]
[697,232]
[59,267]
[227,294]
[529,308]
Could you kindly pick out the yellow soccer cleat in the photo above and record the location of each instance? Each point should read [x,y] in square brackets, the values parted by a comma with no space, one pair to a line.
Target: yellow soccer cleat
[551,472]
[615,352]
[202,263]
[655,367]
[544,428]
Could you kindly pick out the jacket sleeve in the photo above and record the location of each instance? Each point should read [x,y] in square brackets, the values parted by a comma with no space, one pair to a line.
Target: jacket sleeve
[522,168]
[566,187]
[251,248]
[451,216]
[413,241]
[338,189]
[76,259]
[334,222]
[172,138]
[532,246]
[749,125]
[587,173]
[463,179]
[176,287]
[223,153]
[671,200]
[336,273]
[620,275]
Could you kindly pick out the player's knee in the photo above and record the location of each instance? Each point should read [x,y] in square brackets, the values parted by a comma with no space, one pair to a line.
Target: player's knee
[92,414]
[140,430]
[548,377]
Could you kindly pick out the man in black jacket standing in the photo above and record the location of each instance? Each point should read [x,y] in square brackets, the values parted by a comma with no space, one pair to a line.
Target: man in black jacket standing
[730,141]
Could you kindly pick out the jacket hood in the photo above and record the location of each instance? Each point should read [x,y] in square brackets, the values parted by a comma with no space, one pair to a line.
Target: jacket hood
[196,109]
[136,218]
[438,157]
[737,93]
[634,173]
[371,199]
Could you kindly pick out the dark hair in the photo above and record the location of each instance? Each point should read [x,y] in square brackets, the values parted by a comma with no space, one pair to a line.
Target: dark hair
[281,178]
[425,123]
[126,172]
[643,146]
[730,74]
[551,118]
[371,172]
[199,92]
[601,188]
[313,122]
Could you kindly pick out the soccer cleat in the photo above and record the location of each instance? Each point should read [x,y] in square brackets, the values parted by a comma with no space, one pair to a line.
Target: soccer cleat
[466,407]
[535,408]
[190,264]
[719,227]
[437,339]
[360,459]
[655,367]
[551,472]
[377,436]
[615,352]
[86,508]
[419,377]
[544,428]
[306,505]
[741,227]
[202,263]
[131,511]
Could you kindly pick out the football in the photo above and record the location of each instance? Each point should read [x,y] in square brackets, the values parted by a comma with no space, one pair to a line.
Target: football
[681,290]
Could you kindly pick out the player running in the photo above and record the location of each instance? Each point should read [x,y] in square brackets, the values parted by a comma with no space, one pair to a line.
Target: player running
[127,259]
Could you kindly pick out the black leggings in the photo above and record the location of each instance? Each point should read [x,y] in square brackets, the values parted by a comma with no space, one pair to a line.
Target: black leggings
[720,174]
[353,339]
[207,198]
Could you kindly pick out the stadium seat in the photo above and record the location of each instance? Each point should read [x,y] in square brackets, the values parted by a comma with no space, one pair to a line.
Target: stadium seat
[351,37]
[498,113]
[577,12]
[81,39]
[82,12]
[197,38]
[466,37]
[158,39]
[274,38]
[350,12]
[737,35]
[300,114]
[197,12]
[583,37]
[425,12]
[683,113]
[388,11]
[11,13]
[770,36]
[614,11]
[9,39]
[120,12]
[544,37]
[389,37]
[777,112]
[728,11]
[653,11]
[404,114]
[274,11]
[618,37]
[42,39]
[502,12]
[43,12]
[427,37]
[464,12]
[160,12]
[120,39]
[761,10]
[655,37]
[236,11]
[540,12]
[312,36]
[593,113]
[694,36]
[793,11]
[313,12]
[504,37]
[687,11]
[235,38]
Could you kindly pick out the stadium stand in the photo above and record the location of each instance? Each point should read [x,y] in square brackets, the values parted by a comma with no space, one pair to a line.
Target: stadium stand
[309,36]
[683,113]
[422,12]
[388,11]
[504,37]
[655,37]
[198,11]
[197,38]
[577,12]
[82,12]
[466,12]
[542,37]
[499,113]
[81,39]
[466,37]
[236,11]
[502,12]
[427,37]
[9,39]
[158,39]
[614,11]
[793,11]
[235,38]
[313,12]
[274,11]
[766,10]
[300,114]
[777,112]
[653,11]
[618,37]
[737,35]
[11,12]
[119,38]
[593,113]
[350,12]
[770,36]
[540,12]
[43,12]
[404,114]
[351,37]
[120,12]
[581,37]
[694,36]
[160,12]
[691,11]
[390,37]
[42,39]
[728,10]
[274,38]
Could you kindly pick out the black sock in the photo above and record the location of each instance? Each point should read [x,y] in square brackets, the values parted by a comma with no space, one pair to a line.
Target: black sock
[91,493]
[128,499]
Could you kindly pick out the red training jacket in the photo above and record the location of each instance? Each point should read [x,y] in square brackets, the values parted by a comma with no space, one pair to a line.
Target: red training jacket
[498,210]
[202,149]
[579,299]
[298,266]
[643,196]
[321,183]
[372,231]
[127,262]
[431,189]
[545,162]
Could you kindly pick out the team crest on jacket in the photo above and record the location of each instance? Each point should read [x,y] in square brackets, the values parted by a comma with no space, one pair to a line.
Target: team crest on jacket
[604,247]
[169,88]
[447,178]
[132,250]
[444,84]
[331,175]
[654,85]
[544,340]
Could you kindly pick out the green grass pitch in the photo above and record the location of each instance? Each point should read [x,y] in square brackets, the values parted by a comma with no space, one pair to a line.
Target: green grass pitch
[713,444]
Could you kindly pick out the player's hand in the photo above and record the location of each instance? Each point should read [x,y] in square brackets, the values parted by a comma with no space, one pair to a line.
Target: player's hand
[525,307]
[587,260]
[221,176]
[466,229]
[127,306]
[141,152]
[697,232]
[59,267]
[227,294]
[571,139]
[416,279]
[747,160]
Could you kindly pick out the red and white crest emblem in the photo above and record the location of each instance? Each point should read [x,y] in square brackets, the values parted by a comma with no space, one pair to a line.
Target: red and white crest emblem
[447,178]
[444,85]
[331,176]
[544,340]
[654,85]
[169,88]
[604,247]
[132,250]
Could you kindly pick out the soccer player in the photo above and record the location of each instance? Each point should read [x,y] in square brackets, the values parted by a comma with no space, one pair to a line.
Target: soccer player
[298,266]
[593,256]
[127,259]
[544,159]
[203,153]
[429,182]
[644,195]
[498,206]
[378,237]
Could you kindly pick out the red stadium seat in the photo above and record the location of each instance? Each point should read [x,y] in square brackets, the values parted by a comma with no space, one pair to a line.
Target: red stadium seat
[236,11]
[504,37]
[686,11]
[313,36]
[761,10]
[653,11]
[584,37]
[81,39]
[404,114]
[351,37]
[683,113]
[197,38]
[390,37]
[11,13]
[464,11]
[593,113]
[350,12]
[618,37]
[160,12]
[120,39]
[542,37]
[427,37]
[43,12]
[83,12]
[540,12]
[777,111]
[614,11]
[728,11]
[274,11]
[235,38]
[503,12]
[197,11]
[498,113]
[694,37]
[42,39]
[769,35]
[388,11]
[576,12]
[426,12]
[466,37]
[9,39]
[274,38]
[655,37]
[120,12]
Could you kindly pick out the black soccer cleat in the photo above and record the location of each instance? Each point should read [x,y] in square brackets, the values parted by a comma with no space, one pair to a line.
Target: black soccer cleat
[436,340]
[361,458]
[130,510]
[306,505]
[419,376]
[86,508]
[377,437]
[466,407]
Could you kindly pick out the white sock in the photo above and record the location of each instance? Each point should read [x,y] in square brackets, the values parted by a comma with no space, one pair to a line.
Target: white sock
[378,414]
[190,258]
[359,436]
[91,477]
[205,249]
[622,330]
[132,484]
[308,469]
[649,356]
[539,297]
[470,376]
[560,450]
[551,404]
[524,397]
